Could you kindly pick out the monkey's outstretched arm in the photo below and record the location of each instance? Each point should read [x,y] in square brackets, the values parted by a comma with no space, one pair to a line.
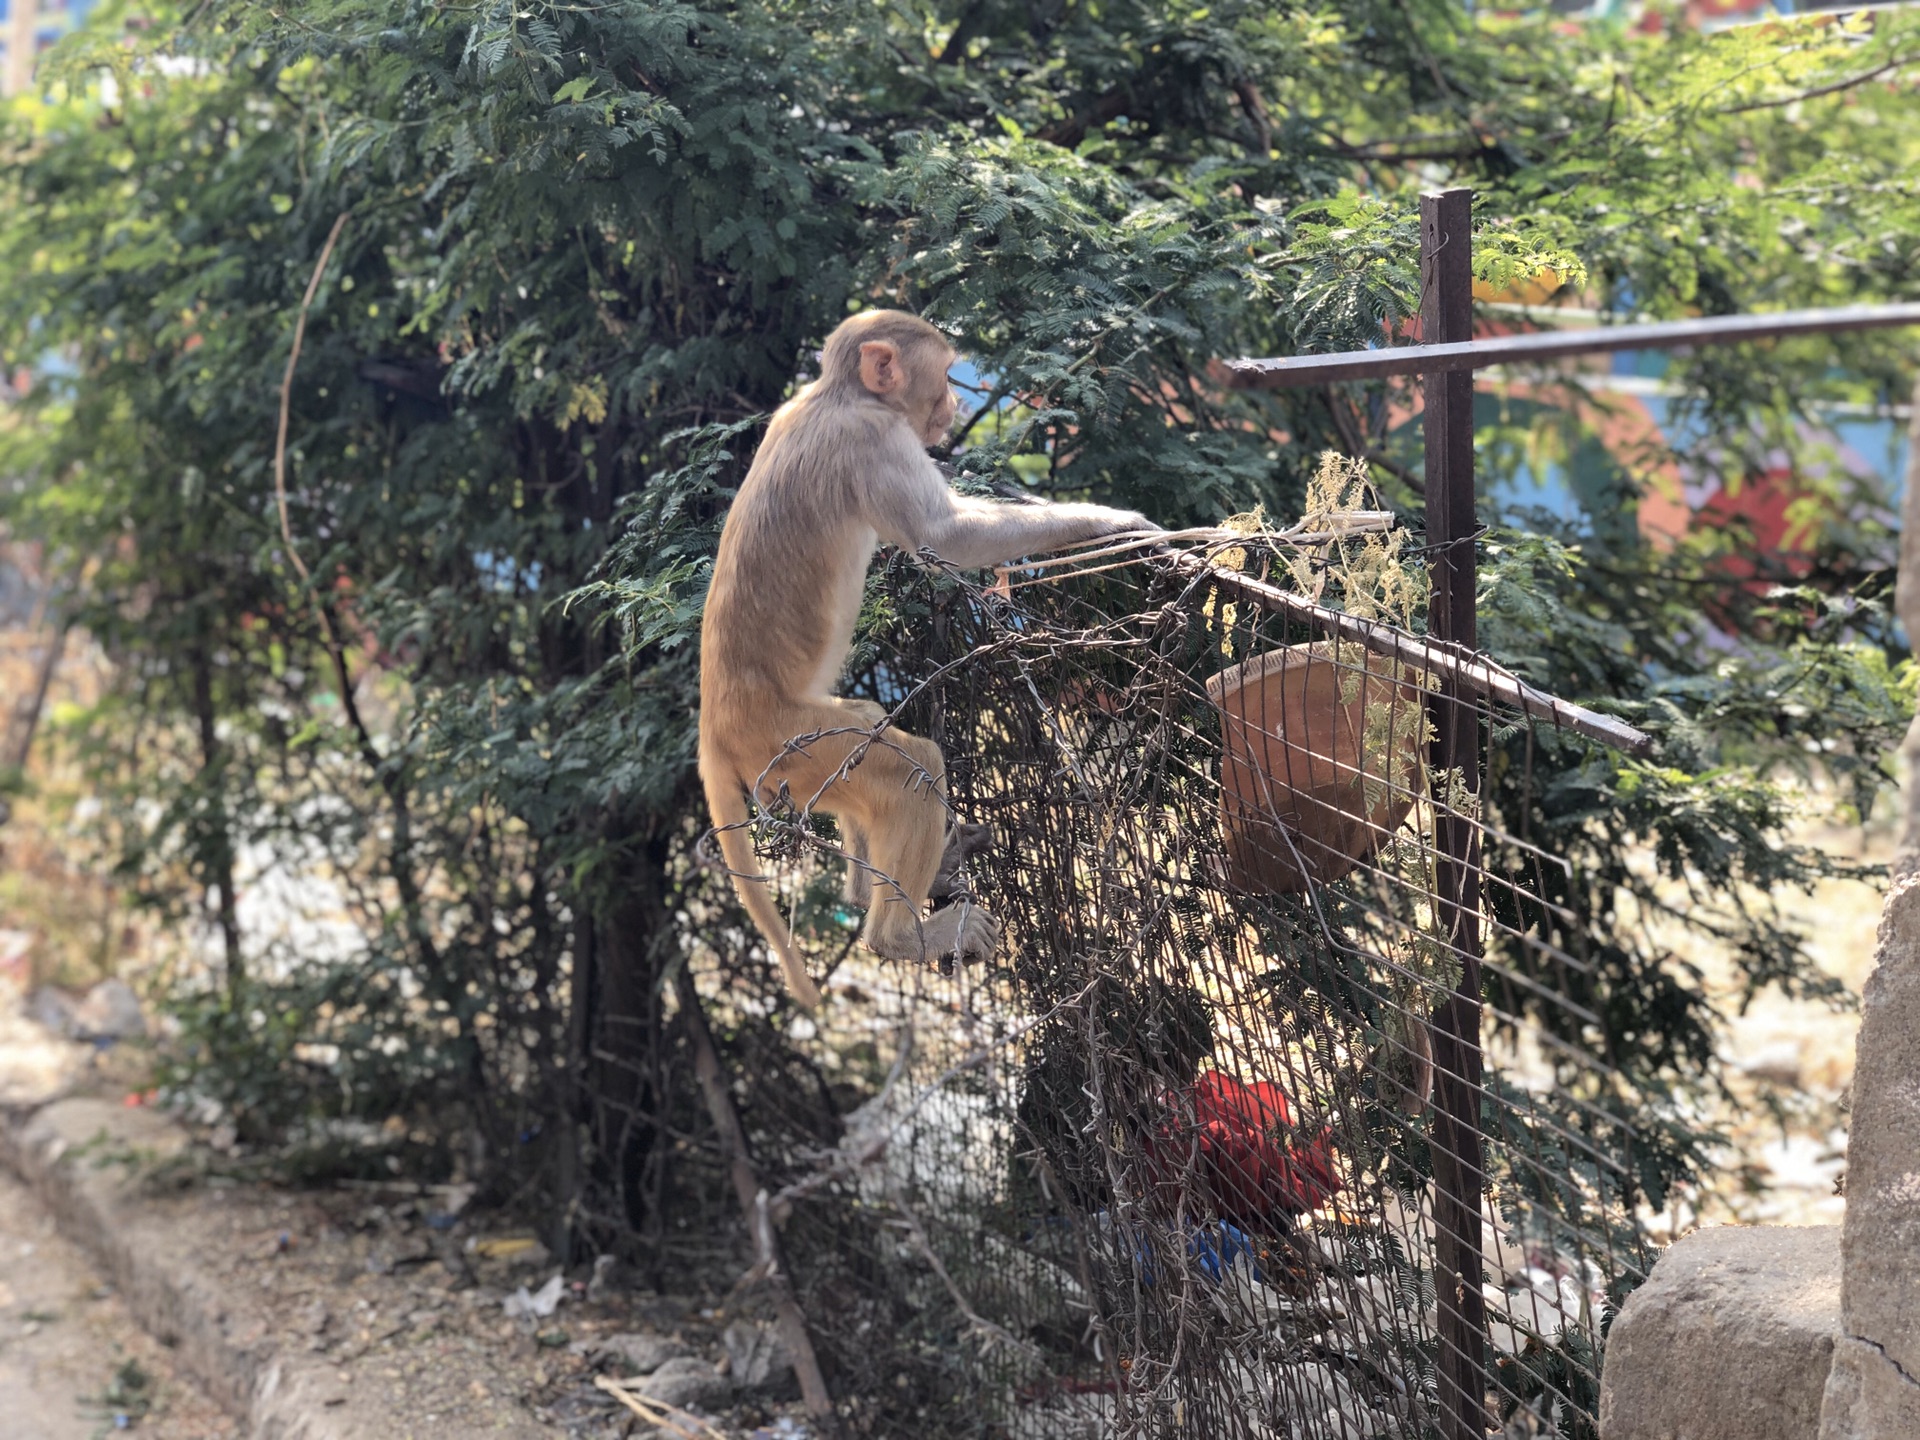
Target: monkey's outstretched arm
[978,533]
[919,510]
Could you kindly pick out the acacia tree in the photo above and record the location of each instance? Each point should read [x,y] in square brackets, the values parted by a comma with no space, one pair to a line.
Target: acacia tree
[585,249]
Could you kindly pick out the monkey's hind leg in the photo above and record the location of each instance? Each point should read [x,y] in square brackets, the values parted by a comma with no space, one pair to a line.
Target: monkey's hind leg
[891,798]
[857,891]
[946,933]
[907,836]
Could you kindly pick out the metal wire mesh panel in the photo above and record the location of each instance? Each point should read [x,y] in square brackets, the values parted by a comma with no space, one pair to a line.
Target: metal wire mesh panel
[1168,1166]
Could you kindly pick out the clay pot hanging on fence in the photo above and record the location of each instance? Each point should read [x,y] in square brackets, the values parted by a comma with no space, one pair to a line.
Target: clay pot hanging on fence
[1320,760]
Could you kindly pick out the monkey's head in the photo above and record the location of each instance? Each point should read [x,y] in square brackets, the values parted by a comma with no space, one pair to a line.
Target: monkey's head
[898,359]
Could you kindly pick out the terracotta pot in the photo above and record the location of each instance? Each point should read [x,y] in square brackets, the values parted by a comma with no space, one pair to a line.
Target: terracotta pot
[1306,793]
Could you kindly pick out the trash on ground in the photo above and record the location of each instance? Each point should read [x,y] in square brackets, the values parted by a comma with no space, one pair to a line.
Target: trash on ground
[606,1277]
[518,1250]
[127,1398]
[687,1380]
[110,1012]
[540,1303]
[52,1009]
[666,1416]
[16,948]
[636,1353]
[756,1356]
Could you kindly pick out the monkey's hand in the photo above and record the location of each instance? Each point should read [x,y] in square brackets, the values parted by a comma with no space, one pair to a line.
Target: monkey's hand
[1126,520]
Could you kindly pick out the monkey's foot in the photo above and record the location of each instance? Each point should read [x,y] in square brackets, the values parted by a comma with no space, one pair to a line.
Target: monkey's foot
[962,930]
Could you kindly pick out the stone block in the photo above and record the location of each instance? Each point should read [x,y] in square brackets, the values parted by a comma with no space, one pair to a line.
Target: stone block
[1731,1338]
[1868,1397]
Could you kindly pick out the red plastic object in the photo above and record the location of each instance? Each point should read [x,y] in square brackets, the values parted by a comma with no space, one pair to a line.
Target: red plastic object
[1243,1154]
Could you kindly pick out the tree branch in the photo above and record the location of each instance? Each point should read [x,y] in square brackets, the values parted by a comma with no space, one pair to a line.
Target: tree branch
[955,50]
[754,1206]
[286,394]
[389,779]
[1070,131]
[1832,88]
[1254,106]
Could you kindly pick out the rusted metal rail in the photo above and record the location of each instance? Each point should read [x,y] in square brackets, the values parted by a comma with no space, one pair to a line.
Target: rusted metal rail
[1293,371]
[1447,663]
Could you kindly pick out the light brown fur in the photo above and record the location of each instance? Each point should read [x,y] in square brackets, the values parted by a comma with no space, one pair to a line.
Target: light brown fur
[843,468]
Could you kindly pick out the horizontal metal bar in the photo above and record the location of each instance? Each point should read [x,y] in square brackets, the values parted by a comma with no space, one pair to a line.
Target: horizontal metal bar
[1474,673]
[1296,370]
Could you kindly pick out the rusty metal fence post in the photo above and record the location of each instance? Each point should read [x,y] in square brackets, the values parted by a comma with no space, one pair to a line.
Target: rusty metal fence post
[1446,317]
[1445,358]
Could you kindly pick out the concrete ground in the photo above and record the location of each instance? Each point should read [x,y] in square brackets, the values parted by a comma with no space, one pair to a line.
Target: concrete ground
[71,1359]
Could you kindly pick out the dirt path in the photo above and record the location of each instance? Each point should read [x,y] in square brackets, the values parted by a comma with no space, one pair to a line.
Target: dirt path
[70,1358]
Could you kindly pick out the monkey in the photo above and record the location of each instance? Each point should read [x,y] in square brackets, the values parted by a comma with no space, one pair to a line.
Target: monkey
[843,468]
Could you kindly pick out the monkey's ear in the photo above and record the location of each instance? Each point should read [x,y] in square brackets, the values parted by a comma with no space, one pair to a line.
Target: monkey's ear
[880,369]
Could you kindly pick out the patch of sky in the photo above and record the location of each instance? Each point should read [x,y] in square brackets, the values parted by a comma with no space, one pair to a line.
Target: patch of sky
[55,371]
[975,389]
[1881,445]
[1008,613]
[888,688]
[505,574]
[975,386]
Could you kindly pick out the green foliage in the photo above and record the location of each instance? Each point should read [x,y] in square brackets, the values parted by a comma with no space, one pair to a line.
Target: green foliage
[587,247]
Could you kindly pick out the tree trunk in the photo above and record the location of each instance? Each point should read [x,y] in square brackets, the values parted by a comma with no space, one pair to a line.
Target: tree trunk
[622,1033]
[219,853]
[29,716]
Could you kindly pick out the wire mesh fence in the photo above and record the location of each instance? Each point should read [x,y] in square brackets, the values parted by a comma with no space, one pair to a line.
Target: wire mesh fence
[1176,1163]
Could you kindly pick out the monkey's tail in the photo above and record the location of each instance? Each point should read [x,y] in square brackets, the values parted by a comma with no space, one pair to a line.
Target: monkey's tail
[728,804]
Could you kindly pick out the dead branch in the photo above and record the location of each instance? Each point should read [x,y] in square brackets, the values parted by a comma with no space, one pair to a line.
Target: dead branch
[753,1202]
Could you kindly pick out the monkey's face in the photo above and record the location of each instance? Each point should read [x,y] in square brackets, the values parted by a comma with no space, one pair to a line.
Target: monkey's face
[941,405]
[913,382]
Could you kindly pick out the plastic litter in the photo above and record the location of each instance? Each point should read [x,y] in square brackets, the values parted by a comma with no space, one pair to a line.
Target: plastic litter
[516,1249]
[538,1304]
[52,1009]
[603,1278]
[1215,1249]
[756,1357]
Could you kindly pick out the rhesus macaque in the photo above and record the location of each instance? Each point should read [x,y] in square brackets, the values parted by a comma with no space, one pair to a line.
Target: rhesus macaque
[844,467]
